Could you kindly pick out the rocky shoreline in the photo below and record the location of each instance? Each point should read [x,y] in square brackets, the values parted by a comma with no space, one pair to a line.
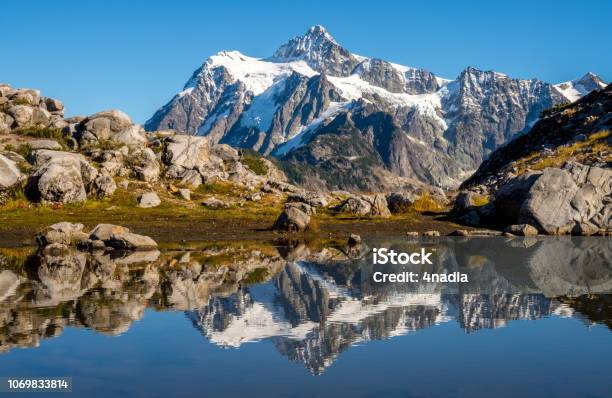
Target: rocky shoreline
[112,165]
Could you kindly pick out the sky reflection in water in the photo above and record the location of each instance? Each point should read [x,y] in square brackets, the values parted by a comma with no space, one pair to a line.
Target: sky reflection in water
[534,320]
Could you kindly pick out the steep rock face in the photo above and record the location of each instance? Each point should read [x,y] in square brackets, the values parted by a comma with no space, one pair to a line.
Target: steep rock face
[187,110]
[365,148]
[396,78]
[488,109]
[435,130]
[296,105]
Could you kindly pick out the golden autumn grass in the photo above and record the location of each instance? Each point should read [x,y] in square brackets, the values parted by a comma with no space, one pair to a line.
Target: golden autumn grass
[595,144]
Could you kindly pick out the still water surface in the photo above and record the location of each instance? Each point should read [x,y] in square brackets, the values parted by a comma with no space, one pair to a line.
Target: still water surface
[303,320]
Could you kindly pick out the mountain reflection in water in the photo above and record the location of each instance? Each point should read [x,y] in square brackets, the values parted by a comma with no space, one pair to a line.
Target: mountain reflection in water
[311,302]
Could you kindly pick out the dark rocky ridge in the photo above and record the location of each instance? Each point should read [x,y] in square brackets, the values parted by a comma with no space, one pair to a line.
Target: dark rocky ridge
[562,126]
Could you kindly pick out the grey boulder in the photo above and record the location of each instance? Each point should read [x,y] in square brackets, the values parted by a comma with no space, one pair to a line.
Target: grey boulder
[46,144]
[10,175]
[304,207]
[465,201]
[399,202]
[145,165]
[314,199]
[130,241]
[103,125]
[57,183]
[149,199]
[557,201]
[104,231]
[522,230]
[292,219]
[355,205]
[185,193]
[62,177]
[21,114]
[104,186]
[64,233]
[132,136]
[215,204]
[378,206]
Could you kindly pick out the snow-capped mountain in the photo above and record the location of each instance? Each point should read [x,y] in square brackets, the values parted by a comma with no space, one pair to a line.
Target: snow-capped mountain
[338,119]
[575,89]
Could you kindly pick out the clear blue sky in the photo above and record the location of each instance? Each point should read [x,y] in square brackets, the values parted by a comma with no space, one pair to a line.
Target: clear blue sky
[134,55]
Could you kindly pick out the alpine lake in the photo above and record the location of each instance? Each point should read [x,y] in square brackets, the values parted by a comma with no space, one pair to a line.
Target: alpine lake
[532,318]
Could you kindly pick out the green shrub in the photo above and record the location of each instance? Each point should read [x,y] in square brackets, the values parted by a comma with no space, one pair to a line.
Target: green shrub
[42,132]
[255,162]
[24,150]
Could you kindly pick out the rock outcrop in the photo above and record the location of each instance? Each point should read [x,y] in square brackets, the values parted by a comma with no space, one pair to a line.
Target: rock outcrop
[61,177]
[372,206]
[581,129]
[10,175]
[90,155]
[26,108]
[557,200]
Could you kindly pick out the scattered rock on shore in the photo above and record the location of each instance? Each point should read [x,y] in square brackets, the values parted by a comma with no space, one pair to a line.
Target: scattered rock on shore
[459,232]
[148,199]
[522,230]
[103,236]
[130,241]
[215,204]
[292,219]
[64,233]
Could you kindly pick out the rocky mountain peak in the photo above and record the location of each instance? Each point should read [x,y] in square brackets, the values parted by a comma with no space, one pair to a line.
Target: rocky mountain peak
[318,31]
[574,89]
[316,40]
[441,129]
[590,82]
[320,51]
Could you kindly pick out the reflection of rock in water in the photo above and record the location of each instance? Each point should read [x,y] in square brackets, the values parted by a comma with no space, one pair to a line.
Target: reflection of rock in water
[312,304]
[592,309]
[107,292]
[488,312]
[325,342]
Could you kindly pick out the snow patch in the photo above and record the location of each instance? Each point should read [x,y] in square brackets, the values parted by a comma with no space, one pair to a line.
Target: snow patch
[353,88]
[575,89]
[256,74]
[261,111]
[299,139]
